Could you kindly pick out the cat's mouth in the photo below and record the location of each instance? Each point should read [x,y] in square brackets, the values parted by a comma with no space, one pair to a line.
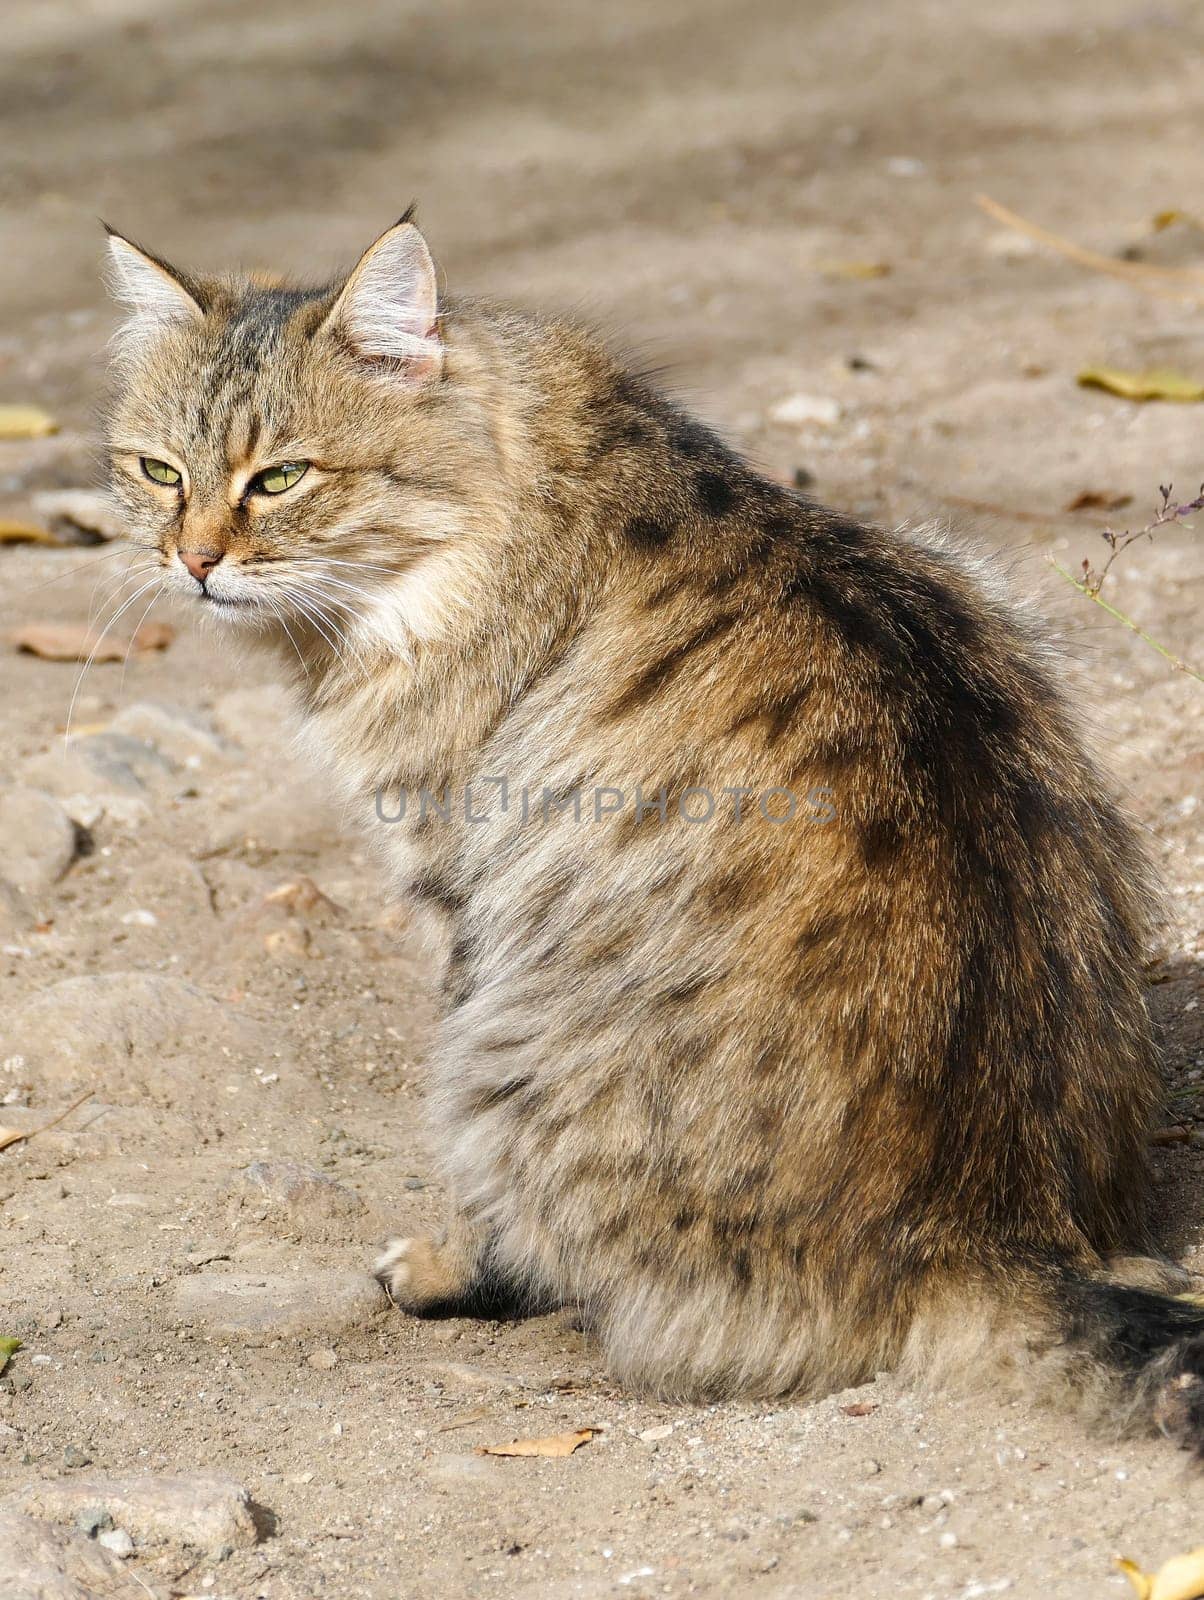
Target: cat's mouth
[227,602]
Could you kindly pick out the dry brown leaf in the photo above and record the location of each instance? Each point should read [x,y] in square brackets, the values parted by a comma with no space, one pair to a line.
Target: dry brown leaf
[1098,500]
[860,1408]
[1157,384]
[556,1444]
[71,641]
[300,894]
[24,533]
[15,1135]
[26,422]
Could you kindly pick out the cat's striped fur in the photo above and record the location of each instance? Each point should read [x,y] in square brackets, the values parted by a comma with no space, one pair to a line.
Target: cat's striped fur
[776,1101]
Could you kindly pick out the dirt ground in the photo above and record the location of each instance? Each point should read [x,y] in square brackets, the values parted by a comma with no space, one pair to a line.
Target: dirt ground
[697,177]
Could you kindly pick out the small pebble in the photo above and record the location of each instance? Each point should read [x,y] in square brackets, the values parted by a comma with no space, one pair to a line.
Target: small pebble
[323,1360]
[117,1541]
[797,410]
[77,1456]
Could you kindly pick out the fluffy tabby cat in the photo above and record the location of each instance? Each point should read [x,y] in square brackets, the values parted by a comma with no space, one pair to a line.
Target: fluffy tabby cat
[853,1070]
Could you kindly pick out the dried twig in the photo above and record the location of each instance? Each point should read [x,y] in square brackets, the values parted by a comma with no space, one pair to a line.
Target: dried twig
[1171,283]
[1179,666]
[1091,582]
[1118,542]
[10,1136]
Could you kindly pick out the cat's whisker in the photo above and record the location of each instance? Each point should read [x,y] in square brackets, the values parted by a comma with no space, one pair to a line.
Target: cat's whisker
[82,566]
[372,599]
[110,585]
[125,660]
[150,584]
[313,584]
[367,566]
[350,649]
[352,652]
[341,583]
[306,606]
[338,598]
[114,588]
[278,612]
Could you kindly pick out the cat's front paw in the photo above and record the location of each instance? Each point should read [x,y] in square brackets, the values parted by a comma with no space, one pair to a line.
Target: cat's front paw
[415,1275]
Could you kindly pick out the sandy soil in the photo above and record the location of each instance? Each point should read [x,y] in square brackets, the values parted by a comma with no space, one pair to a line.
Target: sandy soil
[690,174]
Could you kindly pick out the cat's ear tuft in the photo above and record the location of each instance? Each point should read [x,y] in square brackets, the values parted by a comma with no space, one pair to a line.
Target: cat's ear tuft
[388,310]
[156,295]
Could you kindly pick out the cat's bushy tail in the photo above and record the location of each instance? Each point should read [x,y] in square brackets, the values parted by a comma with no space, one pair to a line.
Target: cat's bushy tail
[1133,1358]
[1147,1347]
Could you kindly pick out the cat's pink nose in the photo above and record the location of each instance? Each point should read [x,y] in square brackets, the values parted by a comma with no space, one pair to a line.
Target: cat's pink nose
[199,562]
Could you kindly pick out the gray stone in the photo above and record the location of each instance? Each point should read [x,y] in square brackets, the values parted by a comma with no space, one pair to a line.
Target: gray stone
[279,1305]
[464,1472]
[111,764]
[127,1031]
[80,511]
[293,818]
[204,1511]
[37,839]
[16,913]
[182,736]
[93,1520]
[301,1191]
[38,1562]
[261,715]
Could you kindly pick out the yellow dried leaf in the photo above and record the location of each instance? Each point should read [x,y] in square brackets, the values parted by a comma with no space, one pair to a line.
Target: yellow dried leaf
[1157,384]
[1167,219]
[26,422]
[10,1136]
[1180,1578]
[24,533]
[557,1444]
[8,1349]
[856,270]
[1140,1580]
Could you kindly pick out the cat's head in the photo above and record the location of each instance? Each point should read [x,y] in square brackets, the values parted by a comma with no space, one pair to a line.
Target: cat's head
[285,453]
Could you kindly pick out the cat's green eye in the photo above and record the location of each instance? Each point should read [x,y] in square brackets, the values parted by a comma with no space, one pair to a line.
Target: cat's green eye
[160,472]
[275,480]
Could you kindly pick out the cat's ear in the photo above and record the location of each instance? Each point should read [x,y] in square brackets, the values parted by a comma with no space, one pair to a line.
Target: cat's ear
[156,295]
[388,310]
